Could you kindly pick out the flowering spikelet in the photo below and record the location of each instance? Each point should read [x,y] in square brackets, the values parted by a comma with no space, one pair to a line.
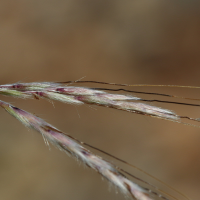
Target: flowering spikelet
[82,95]
[73,147]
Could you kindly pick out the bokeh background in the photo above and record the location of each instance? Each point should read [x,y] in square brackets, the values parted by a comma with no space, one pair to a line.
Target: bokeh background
[133,42]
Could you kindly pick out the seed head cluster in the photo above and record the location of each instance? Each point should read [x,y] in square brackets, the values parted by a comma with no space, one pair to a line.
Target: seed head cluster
[78,96]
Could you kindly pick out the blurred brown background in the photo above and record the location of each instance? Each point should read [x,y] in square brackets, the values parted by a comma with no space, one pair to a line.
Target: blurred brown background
[133,42]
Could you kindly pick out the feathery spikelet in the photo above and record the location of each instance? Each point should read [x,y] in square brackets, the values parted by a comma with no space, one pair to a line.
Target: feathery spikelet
[82,95]
[73,147]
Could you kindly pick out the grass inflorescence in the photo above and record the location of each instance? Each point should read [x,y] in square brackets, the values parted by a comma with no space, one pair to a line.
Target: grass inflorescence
[83,95]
